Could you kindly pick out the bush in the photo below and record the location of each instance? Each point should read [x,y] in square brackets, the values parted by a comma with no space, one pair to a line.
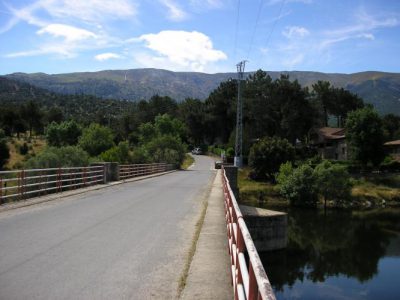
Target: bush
[298,185]
[267,155]
[139,156]
[54,157]
[96,139]
[118,153]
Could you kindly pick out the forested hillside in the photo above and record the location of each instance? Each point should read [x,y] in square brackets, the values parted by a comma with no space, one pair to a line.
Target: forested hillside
[378,88]
[84,108]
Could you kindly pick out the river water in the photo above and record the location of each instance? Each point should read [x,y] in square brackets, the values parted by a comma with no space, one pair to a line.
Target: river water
[337,255]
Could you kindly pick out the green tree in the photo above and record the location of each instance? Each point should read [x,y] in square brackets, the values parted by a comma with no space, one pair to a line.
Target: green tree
[344,102]
[192,113]
[267,155]
[54,114]
[33,116]
[324,96]
[333,182]
[4,150]
[294,111]
[63,134]
[166,125]
[166,148]
[298,185]
[96,139]
[221,111]
[364,133]
[147,132]
[162,141]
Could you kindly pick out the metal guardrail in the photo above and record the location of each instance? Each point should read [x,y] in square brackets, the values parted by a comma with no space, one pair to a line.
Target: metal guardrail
[248,275]
[130,171]
[23,184]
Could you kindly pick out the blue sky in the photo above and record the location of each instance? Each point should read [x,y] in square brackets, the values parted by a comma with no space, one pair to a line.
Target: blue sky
[60,36]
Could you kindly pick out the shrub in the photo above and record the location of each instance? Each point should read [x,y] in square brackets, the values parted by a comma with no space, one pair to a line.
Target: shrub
[139,156]
[267,155]
[118,153]
[54,157]
[298,185]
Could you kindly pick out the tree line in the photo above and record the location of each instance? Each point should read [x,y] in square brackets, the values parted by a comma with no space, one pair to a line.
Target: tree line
[272,108]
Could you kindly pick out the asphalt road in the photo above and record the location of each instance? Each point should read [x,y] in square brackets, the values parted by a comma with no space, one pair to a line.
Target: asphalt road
[129,241]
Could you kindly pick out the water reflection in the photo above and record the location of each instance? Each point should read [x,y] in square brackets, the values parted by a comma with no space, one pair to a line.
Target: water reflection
[336,244]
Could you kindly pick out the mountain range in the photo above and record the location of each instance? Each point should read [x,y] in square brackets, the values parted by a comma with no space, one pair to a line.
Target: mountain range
[378,88]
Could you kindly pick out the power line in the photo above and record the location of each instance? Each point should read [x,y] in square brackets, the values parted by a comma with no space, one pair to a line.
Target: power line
[260,5]
[274,24]
[236,29]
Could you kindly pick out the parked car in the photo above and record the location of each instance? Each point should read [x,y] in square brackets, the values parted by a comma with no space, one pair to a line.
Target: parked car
[196,151]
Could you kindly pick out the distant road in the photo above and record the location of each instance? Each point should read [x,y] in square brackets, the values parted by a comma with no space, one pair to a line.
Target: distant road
[124,242]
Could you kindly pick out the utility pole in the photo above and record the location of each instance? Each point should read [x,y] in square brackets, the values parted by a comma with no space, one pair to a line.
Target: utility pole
[238,161]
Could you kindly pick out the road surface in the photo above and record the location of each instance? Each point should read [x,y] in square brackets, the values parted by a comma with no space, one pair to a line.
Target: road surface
[129,241]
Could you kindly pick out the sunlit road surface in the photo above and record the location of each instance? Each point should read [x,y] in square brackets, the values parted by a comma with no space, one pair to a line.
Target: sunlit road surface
[129,241]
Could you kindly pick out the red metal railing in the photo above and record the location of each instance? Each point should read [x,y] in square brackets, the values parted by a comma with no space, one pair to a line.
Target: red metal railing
[248,275]
[130,171]
[22,184]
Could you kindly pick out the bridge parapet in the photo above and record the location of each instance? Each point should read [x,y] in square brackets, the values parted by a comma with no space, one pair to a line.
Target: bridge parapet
[22,184]
[248,275]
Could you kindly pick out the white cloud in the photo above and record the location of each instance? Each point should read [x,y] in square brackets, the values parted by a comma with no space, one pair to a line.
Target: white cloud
[210,4]
[295,32]
[182,49]
[64,50]
[175,12]
[70,33]
[107,56]
[363,27]
[90,10]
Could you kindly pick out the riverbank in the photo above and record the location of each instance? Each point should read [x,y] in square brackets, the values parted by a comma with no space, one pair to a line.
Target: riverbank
[368,191]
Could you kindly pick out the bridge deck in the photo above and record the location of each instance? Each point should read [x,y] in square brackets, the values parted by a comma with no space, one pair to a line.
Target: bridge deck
[128,241]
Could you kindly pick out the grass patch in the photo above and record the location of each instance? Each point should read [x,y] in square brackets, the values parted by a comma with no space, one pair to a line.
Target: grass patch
[187,162]
[371,190]
[16,160]
[375,191]
[256,192]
